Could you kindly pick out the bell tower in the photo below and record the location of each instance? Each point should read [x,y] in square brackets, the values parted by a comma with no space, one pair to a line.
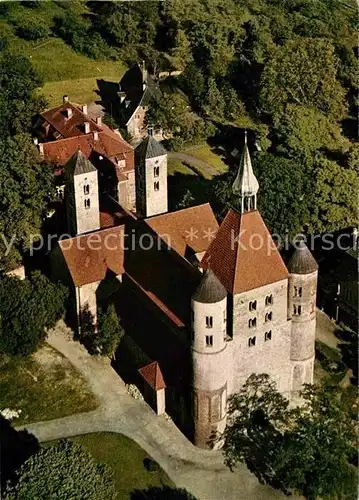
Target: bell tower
[81,195]
[245,184]
[151,177]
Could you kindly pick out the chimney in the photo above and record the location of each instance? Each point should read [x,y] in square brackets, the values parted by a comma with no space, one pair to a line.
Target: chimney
[68,112]
[99,121]
[95,136]
[41,148]
[84,109]
[36,141]
[87,127]
[65,98]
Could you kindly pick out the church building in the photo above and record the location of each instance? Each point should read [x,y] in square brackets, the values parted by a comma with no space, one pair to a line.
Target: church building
[205,305]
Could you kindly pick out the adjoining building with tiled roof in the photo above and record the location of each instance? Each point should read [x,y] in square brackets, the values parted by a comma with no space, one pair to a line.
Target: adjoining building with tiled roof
[61,131]
[208,304]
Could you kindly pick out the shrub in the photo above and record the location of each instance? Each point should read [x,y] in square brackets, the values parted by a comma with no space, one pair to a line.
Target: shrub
[33,31]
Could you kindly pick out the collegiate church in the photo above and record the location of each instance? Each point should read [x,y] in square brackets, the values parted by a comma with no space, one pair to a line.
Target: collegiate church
[209,304]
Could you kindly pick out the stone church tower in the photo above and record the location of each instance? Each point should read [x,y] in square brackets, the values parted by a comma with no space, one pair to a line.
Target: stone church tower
[209,354]
[302,291]
[81,195]
[151,177]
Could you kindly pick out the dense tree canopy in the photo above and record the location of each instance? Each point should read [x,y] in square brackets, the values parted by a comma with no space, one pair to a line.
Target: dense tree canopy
[64,470]
[306,449]
[18,99]
[27,308]
[26,187]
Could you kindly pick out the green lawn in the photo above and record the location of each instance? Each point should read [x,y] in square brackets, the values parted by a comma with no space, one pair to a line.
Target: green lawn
[63,70]
[205,153]
[125,458]
[43,386]
[175,165]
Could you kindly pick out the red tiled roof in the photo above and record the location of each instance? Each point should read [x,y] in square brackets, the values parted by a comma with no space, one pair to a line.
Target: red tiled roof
[90,256]
[108,145]
[153,375]
[192,227]
[69,127]
[243,255]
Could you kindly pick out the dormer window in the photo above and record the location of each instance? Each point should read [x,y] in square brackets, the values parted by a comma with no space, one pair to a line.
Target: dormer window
[253,305]
[269,300]
[252,323]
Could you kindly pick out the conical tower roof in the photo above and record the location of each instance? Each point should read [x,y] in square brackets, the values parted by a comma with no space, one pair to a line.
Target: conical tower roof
[79,164]
[302,260]
[245,183]
[210,289]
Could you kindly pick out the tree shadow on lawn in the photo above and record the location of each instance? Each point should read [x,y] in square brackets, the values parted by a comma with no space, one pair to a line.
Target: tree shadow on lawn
[349,350]
[15,448]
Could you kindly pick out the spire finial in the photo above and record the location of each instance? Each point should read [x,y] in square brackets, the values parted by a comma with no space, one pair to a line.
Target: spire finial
[245,184]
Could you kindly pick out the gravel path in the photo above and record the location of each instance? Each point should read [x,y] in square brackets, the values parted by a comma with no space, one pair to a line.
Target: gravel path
[199,471]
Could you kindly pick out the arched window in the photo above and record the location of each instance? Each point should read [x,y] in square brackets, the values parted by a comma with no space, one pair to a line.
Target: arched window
[209,340]
[268,317]
[297,291]
[253,305]
[209,321]
[87,203]
[268,336]
[86,189]
[156,186]
[156,171]
[269,300]
[297,310]
[251,341]
[252,323]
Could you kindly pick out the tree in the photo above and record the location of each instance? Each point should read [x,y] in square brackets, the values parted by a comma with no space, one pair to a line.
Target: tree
[110,332]
[305,129]
[306,449]
[336,191]
[303,72]
[18,99]
[63,470]
[161,493]
[26,188]
[27,308]
[285,193]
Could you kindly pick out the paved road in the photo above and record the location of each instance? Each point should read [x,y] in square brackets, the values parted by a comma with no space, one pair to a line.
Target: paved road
[199,471]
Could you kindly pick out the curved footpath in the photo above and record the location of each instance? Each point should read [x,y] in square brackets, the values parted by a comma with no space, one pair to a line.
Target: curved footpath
[199,471]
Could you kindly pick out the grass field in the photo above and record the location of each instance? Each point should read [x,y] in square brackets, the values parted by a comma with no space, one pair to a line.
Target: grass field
[63,70]
[205,153]
[175,165]
[43,386]
[125,458]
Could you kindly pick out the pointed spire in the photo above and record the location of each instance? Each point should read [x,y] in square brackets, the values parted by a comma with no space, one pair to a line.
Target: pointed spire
[245,184]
